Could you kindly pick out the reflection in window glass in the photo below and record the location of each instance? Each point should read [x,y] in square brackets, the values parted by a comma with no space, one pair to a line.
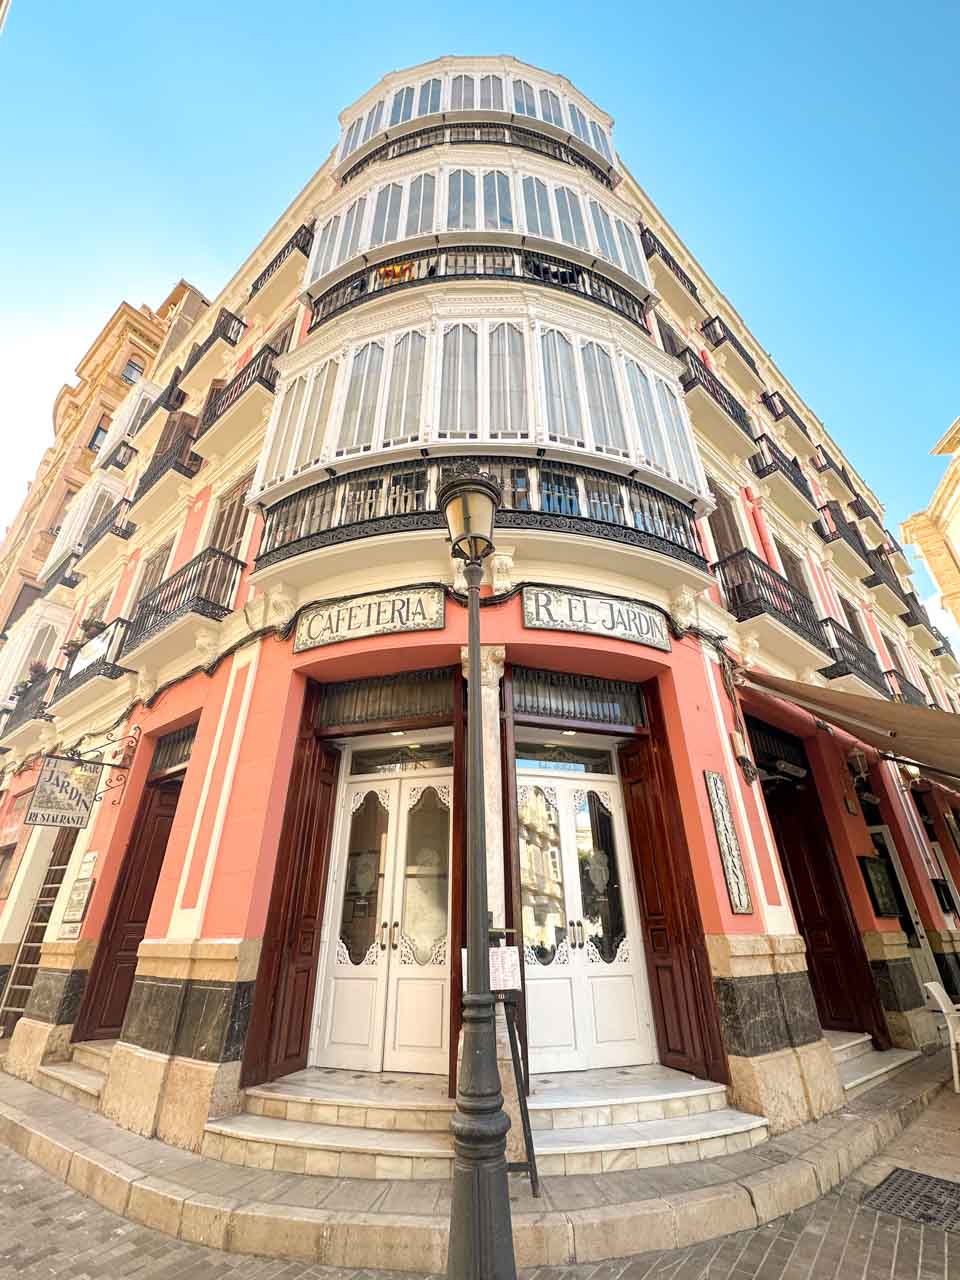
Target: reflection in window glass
[497,208]
[461,93]
[462,201]
[602,399]
[429,100]
[536,203]
[541,873]
[426,877]
[407,759]
[524,99]
[402,108]
[420,206]
[406,389]
[508,398]
[363,883]
[386,214]
[600,888]
[579,122]
[550,108]
[563,759]
[560,382]
[570,214]
[491,93]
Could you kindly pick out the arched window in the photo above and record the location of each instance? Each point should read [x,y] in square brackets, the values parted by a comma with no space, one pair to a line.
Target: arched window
[564,422]
[652,448]
[631,255]
[579,123]
[350,237]
[420,205]
[536,203]
[599,139]
[497,206]
[604,229]
[429,99]
[363,394]
[386,214]
[374,121]
[402,107]
[326,244]
[281,443]
[550,108]
[461,93]
[132,370]
[351,138]
[316,418]
[524,99]
[678,435]
[462,201]
[43,648]
[491,93]
[102,503]
[606,420]
[508,383]
[570,215]
[458,384]
[405,398]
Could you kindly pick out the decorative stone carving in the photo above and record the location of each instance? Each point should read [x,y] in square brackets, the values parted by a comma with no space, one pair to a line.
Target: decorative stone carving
[459,578]
[749,648]
[146,686]
[501,570]
[731,858]
[205,643]
[281,603]
[683,607]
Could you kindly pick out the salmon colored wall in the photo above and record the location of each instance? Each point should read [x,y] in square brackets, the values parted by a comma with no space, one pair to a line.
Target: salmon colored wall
[121,592]
[12,829]
[936,806]
[187,544]
[891,811]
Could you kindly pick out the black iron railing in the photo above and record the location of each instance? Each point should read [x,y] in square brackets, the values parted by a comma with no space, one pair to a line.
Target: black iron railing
[717,331]
[507,135]
[121,456]
[205,586]
[97,657]
[904,691]
[478,262]
[770,457]
[178,457]
[779,408]
[916,615]
[863,511]
[32,702]
[944,647]
[696,374]
[823,460]
[833,525]
[63,575]
[654,247]
[260,370]
[115,521]
[301,239]
[228,328]
[883,573]
[752,588]
[851,657]
[551,496]
[170,399]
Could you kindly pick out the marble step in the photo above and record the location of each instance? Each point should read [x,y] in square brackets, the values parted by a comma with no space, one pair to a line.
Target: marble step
[848,1045]
[870,1069]
[94,1054]
[75,1083]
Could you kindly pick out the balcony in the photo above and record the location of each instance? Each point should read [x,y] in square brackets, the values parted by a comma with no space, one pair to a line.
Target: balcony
[554,503]
[31,705]
[790,421]
[91,668]
[787,483]
[203,588]
[671,280]
[896,554]
[885,585]
[160,484]
[239,408]
[784,618]
[904,691]
[853,661]
[62,582]
[207,358]
[869,521]
[849,549]
[944,651]
[495,263]
[104,540]
[916,617]
[740,362]
[151,425]
[121,456]
[834,478]
[716,413]
[282,274]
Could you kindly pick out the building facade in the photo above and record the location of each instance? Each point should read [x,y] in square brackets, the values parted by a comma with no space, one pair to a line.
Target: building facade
[705,881]
[935,532]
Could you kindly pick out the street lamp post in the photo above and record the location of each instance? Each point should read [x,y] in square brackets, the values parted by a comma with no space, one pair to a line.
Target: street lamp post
[481,1238]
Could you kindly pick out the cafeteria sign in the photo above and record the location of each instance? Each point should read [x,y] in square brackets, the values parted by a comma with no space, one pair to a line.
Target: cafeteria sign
[65,792]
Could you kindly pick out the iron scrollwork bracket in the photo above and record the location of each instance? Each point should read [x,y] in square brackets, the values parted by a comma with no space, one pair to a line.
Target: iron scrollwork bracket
[124,747]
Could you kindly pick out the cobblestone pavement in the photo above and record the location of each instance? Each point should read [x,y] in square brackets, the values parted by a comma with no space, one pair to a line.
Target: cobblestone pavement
[49,1230]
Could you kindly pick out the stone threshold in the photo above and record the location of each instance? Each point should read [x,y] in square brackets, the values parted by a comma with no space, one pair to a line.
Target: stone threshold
[402,1226]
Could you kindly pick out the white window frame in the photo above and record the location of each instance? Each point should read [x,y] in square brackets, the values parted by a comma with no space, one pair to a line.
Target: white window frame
[524,96]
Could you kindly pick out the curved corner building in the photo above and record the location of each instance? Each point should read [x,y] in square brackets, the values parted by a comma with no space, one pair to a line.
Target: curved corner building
[717,903]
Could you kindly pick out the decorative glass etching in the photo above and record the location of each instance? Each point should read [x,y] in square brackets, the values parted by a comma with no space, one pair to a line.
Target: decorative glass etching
[541,874]
[604,925]
[362,913]
[730,856]
[426,876]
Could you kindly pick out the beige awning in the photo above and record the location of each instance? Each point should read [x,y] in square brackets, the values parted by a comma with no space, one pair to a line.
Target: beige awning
[930,738]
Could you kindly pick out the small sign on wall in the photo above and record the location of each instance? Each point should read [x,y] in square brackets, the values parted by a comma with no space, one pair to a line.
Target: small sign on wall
[65,792]
[378,614]
[504,968]
[76,907]
[560,609]
[731,858]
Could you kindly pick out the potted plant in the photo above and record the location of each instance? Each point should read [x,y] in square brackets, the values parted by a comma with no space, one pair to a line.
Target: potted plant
[92,627]
[72,648]
[37,670]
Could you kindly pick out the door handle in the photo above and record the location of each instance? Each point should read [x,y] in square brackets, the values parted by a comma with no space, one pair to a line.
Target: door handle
[383,936]
[573,933]
[394,932]
[583,936]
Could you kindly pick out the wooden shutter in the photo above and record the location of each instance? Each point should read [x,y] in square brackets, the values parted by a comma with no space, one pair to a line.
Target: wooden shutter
[153,571]
[231,519]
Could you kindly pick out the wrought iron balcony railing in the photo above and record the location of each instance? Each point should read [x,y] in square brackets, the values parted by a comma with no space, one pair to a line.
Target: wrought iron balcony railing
[904,691]
[205,586]
[97,657]
[301,239]
[752,588]
[944,647]
[833,525]
[177,456]
[779,408]
[32,703]
[883,573]
[538,495]
[771,457]
[228,328]
[260,370]
[863,511]
[115,521]
[822,461]
[717,331]
[851,657]
[654,247]
[170,398]
[478,262]
[916,615]
[121,456]
[696,374]
[507,135]
[63,575]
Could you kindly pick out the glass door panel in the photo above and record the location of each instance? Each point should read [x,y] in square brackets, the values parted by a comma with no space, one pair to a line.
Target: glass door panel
[543,904]
[362,914]
[604,928]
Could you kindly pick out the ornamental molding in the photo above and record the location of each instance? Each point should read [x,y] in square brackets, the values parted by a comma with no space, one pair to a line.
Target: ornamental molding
[728,842]
[382,794]
[492,658]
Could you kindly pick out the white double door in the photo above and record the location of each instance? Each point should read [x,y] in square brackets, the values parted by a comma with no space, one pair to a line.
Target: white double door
[385,999]
[588,1001]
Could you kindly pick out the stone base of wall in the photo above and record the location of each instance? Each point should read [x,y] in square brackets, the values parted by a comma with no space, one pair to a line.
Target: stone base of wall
[44,1031]
[910,1024]
[945,945]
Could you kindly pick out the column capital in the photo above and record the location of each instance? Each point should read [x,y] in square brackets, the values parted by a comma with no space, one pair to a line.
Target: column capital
[492,657]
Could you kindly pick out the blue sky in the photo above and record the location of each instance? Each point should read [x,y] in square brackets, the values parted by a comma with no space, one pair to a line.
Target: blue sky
[808,154]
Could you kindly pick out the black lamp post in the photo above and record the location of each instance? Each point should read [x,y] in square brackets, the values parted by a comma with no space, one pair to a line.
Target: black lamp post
[481,1237]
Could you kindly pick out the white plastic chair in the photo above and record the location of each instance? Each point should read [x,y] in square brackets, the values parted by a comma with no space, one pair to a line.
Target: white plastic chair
[952,1017]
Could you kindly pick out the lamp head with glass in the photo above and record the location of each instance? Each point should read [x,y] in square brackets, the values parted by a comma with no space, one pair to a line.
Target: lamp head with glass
[469,500]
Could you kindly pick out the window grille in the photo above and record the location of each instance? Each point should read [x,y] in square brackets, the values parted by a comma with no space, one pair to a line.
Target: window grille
[173,750]
[556,695]
[413,695]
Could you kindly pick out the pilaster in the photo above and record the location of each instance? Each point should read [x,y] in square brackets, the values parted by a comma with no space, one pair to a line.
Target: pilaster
[491,672]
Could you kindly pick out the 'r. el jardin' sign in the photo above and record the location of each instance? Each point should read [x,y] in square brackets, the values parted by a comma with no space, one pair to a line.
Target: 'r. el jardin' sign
[378,614]
[559,609]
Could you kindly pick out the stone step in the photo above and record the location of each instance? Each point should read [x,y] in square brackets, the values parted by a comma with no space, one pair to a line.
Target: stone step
[75,1083]
[870,1069]
[94,1054]
[848,1045]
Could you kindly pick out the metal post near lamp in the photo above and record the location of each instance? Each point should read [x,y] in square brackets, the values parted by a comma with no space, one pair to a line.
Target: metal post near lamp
[481,1237]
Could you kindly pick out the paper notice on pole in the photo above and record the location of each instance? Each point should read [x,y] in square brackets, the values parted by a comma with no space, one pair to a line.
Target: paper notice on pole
[504,968]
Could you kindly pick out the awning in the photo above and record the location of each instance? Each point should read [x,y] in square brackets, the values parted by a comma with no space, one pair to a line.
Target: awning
[927,737]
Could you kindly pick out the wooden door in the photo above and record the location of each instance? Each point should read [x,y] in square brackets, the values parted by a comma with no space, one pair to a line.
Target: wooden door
[113,972]
[279,1033]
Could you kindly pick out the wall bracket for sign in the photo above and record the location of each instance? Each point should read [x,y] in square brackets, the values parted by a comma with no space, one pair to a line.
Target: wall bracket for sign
[70,783]
[123,747]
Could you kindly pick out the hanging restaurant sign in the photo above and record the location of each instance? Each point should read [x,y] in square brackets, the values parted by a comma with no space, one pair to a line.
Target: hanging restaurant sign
[559,609]
[65,792]
[377,614]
